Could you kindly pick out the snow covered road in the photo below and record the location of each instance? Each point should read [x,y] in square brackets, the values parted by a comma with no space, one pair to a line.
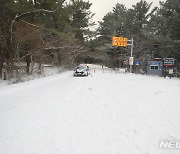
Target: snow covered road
[105,113]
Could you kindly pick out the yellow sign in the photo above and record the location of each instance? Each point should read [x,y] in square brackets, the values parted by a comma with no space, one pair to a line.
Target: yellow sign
[170,71]
[119,41]
[114,41]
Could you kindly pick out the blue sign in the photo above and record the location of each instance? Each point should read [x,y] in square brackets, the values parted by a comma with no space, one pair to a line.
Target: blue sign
[154,63]
[137,63]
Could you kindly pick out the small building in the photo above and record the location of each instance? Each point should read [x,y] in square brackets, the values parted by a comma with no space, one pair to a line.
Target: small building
[155,67]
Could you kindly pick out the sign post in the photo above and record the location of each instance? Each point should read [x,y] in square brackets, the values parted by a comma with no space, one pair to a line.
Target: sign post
[168,64]
[137,64]
[131,64]
[123,42]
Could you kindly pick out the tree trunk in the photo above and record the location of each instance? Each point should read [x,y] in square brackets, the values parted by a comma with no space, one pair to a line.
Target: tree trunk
[28,62]
[2,60]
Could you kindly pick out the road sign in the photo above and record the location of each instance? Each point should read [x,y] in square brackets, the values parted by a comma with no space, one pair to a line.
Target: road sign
[170,71]
[137,63]
[125,62]
[119,41]
[169,62]
[131,60]
[114,41]
[122,41]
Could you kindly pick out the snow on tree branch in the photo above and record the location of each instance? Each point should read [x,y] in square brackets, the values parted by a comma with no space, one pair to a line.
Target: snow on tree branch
[25,14]
[36,11]
[35,25]
[54,48]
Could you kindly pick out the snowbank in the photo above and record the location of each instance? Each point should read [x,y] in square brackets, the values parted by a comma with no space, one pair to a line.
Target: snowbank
[103,113]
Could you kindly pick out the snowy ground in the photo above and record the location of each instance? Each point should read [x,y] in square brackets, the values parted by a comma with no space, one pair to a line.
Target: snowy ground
[106,113]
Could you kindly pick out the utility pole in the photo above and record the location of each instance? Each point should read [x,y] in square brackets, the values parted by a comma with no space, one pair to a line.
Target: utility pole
[131,58]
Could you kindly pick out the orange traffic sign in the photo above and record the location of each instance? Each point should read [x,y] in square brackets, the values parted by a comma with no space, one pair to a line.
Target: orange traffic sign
[119,41]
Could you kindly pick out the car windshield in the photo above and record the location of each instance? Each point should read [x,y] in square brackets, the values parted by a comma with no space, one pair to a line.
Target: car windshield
[81,67]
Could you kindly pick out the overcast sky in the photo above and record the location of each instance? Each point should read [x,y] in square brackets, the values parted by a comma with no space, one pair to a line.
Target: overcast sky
[102,7]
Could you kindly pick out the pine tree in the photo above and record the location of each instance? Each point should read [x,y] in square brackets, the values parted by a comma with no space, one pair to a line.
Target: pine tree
[80,17]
